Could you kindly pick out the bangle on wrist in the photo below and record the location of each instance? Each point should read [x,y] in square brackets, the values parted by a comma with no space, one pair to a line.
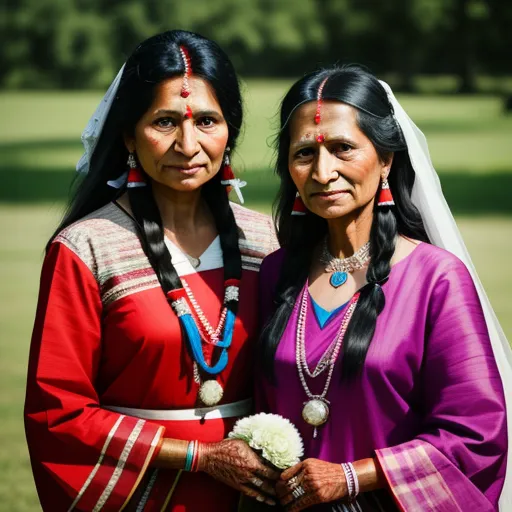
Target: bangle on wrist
[356,480]
[192,458]
[352,480]
[197,455]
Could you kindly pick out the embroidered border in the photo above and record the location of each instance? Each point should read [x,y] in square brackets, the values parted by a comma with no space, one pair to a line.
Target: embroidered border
[414,479]
[152,448]
[120,465]
[92,474]
[147,491]
[107,242]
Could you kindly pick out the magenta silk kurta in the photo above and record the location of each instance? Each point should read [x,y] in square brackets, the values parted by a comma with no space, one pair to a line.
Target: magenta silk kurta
[429,402]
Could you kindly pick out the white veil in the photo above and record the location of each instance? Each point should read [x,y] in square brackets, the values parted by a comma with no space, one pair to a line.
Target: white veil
[92,131]
[442,230]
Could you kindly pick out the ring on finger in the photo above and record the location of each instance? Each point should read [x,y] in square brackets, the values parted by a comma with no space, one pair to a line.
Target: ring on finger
[298,492]
[258,482]
[293,482]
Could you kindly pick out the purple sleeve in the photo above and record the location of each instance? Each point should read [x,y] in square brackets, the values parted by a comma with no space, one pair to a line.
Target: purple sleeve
[460,453]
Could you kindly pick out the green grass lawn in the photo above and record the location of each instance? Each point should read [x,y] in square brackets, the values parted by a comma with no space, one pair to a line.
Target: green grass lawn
[469,137]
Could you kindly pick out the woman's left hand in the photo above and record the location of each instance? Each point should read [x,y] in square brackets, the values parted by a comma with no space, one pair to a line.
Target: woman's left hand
[321,482]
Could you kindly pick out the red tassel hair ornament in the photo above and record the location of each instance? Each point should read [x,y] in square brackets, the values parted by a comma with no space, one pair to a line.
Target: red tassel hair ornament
[385,195]
[299,208]
[229,180]
[136,176]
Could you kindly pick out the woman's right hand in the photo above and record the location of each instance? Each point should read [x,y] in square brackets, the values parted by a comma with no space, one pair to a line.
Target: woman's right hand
[234,463]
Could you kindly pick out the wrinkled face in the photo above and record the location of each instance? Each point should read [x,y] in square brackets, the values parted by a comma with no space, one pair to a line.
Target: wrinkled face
[180,142]
[333,164]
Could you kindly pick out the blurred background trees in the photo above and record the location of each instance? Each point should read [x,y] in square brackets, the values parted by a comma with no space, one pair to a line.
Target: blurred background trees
[77,44]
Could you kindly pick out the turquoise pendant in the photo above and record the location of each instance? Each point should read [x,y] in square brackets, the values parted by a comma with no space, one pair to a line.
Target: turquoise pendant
[338,278]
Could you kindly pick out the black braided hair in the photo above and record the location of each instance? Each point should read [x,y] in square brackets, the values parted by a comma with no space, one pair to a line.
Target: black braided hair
[300,235]
[156,59]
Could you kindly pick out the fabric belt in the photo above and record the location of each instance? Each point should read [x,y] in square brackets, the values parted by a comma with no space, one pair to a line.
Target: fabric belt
[233,410]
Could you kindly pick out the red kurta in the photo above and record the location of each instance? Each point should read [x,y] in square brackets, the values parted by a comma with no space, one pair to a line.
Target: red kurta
[104,336]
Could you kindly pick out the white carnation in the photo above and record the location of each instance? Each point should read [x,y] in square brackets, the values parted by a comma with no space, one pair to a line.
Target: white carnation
[276,437]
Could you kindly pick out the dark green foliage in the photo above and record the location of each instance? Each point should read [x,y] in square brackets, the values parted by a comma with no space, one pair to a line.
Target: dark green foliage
[81,43]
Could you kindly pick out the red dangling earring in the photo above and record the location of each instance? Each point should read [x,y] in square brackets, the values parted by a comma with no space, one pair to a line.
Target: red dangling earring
[228,179]
[136,177]
[385,195]
[227,172]
[299,208]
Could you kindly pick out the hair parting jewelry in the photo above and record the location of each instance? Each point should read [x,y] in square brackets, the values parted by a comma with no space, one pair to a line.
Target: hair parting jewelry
[318,116]
[187,63]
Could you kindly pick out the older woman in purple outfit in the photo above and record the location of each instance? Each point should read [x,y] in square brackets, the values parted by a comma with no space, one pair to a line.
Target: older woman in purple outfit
[380,344]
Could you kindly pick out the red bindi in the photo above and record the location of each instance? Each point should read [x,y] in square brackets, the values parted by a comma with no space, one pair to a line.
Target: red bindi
[320,138]
[188,113]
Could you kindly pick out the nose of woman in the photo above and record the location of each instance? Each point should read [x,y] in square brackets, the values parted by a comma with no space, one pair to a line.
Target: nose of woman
[187,140]
[325,166]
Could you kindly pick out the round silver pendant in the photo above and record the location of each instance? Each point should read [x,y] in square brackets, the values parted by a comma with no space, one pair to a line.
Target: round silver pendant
[315,412]
[210,393]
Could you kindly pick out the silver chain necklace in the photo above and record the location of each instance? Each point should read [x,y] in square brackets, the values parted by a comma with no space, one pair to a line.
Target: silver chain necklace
[316,410]
[341,267]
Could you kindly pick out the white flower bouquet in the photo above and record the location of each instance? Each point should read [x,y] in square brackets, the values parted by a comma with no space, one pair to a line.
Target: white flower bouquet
[275,438]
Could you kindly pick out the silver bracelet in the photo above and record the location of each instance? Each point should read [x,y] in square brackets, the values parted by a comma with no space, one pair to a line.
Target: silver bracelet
[350,480]
[356,480]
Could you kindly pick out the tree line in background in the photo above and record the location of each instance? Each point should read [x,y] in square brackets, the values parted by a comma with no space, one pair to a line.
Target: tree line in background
[76,44]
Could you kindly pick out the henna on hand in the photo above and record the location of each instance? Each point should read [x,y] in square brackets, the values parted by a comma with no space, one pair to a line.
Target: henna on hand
[234,463]
[322,482]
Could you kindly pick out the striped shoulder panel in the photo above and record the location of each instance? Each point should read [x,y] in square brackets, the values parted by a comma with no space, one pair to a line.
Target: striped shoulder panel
[107,242]
[256,236]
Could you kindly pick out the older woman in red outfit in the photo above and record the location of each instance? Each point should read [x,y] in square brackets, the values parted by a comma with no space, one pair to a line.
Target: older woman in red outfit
[142,351]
